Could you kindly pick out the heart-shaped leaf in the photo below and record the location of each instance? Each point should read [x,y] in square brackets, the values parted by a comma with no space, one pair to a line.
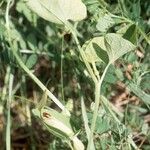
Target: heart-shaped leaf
[117,46]
[58,11]
[106,49]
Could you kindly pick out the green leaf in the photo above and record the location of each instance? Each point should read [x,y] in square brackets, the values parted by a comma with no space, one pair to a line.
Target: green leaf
[122,30]
[55,122]
[58,11]
[31,61]
[104,23]
[102,54]
[106,49]
[93,49]
[117,46]
[31,40]
[22,8]
[110,78]
[130,34]
[136,8]
[59,125]
[102,125]
[119,74]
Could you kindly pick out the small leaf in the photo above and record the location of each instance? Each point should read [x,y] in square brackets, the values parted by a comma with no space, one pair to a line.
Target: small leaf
[31,61]
[136,8]
[104,23]
[102,125]
[110,78]
[22,8]
[117,46]
[58,11]
[119,74]
[130,34]
[31,40]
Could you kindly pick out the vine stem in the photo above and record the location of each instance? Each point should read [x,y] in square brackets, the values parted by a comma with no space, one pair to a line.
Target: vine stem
[98,86]
[39,83]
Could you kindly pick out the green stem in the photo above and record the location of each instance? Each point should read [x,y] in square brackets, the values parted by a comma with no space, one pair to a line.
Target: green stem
[82,54]
[98,83]
[10,76]
[96,72]
[98,86]
[7,14]
[8,126]
[89,68]
[122,18]
[39,83]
